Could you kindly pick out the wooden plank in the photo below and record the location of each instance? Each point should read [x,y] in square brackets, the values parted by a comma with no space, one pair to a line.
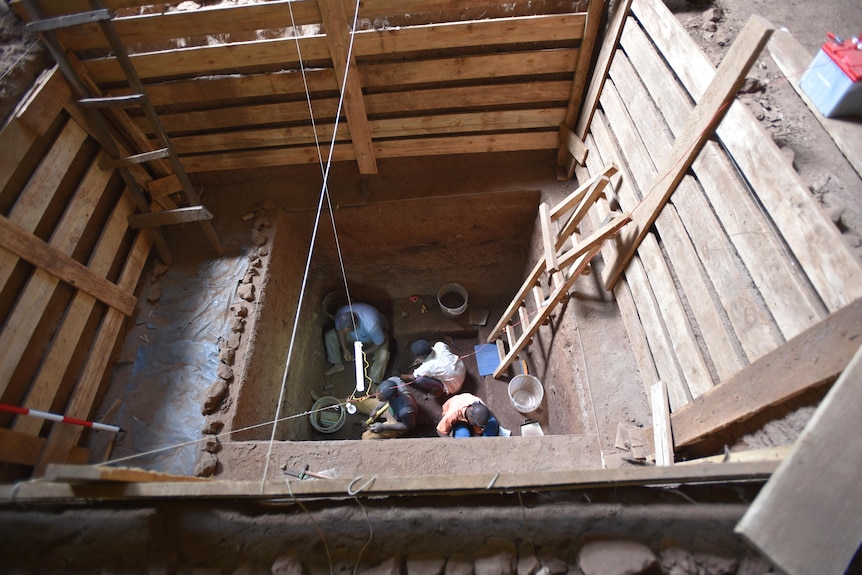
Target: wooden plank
[23,449]
[41,255]
[63,439]
[88,473]
[548,238]
[379,105]
[338,36]
[679,360]
[170,217]
[39,289]
[816,243]
[203,91]
[506,65]
[387,149]
[813,358]
[470,33]
[660,344]
[815,485]
[34,199]
[45,100]
[384,128]
[679,330]
[600,70]
[572,149]
[753,324]
[572,144]
[202,60]
[622,293]
[592,34]
[215,20]
[661,424]
[704,119]
[791,57]
[164,187]
[763,454]
[389,486]
[791,300]
[726,358]
[50,375]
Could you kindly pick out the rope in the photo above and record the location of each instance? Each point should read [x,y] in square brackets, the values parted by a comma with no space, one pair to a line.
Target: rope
[323,194]
[367,484]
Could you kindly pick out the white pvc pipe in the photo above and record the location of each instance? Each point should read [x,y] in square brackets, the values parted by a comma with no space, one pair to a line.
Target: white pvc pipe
[360,366]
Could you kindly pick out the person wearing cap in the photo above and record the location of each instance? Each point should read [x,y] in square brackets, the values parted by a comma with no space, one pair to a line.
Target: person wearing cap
[465,415]
[438,371]
[401,415]
[364,323]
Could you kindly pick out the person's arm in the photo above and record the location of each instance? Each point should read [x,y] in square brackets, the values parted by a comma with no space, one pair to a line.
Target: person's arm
[407,422]
[492,428]
[342,340]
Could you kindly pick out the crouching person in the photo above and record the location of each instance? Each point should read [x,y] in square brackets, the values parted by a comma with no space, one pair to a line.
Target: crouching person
[465,415]
[399,417]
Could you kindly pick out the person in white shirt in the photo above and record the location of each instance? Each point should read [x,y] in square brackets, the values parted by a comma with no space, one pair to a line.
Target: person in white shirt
[438,371]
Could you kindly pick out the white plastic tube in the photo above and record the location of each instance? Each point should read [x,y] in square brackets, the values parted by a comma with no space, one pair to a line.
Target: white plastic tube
[360,366]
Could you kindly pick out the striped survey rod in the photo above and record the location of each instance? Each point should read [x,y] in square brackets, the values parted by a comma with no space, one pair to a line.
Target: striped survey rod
[55,417]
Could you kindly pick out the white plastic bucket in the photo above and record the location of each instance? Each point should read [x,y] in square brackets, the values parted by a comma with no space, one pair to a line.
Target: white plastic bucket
[526,393]
[327,414]
[452,299]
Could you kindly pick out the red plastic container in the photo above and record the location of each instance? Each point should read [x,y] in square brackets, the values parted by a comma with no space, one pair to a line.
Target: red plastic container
[833,81]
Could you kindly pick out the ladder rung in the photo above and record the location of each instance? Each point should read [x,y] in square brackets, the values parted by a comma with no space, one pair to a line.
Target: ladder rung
[108,101]
[141,158]
[70,20]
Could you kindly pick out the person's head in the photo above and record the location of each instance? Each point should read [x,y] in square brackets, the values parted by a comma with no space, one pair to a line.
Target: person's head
[345,319]
[420,348]
[388,389]
[477,414]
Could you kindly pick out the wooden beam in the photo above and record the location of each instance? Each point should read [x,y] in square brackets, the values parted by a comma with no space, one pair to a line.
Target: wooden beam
[89,473]
[548,238]
[706,116]
[815,241]
[444,145]
[590,100]
[211,59]
[661,424]
[36,196]
[506,65]
[573,145]
[40,254]
[813,358]
[47,381]
[24,449]
[415,126]
[45,100]
[808,516]
[63,440]
[470,33]
[572,150]
[164,187]
[170,217]
[411,485]
[743,223]
[338,36]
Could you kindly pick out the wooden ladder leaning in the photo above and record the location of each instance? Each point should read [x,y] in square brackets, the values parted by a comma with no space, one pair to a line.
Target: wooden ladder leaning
[92,106]
[559,268]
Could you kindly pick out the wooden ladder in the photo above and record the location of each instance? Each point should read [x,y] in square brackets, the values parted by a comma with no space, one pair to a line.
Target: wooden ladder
[558,268]
[92,104]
